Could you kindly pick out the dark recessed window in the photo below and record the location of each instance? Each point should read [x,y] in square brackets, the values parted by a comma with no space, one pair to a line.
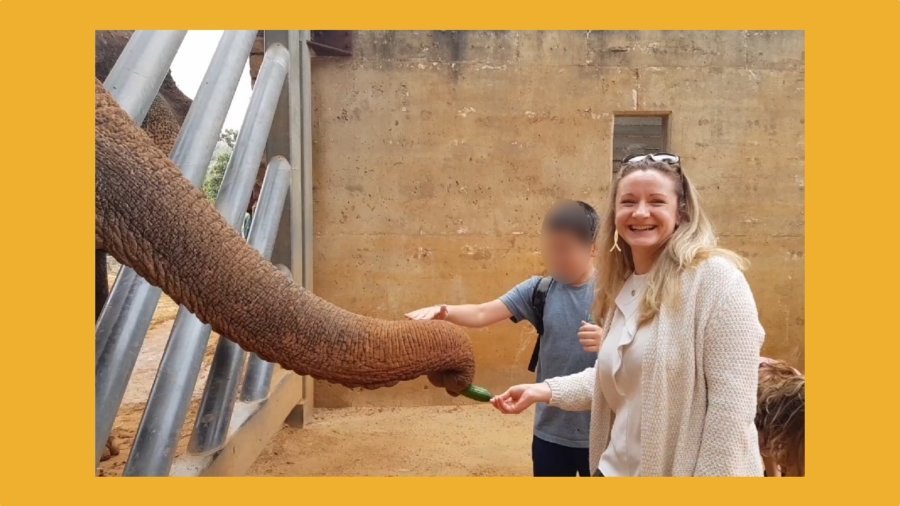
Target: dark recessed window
[638,134]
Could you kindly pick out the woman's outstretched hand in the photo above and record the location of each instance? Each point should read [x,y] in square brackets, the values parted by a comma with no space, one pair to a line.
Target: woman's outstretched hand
[519,397]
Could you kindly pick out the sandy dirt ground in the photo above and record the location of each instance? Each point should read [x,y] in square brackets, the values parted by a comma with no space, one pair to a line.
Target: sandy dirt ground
[469,440]
[409,441]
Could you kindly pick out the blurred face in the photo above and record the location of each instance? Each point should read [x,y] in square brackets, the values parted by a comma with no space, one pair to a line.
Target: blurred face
[567,256]
[646,210]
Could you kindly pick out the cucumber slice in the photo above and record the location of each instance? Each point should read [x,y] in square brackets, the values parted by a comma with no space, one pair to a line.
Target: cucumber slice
[477,393]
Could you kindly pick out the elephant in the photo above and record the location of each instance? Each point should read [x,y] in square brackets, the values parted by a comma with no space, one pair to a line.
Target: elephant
[161,126]
[150,218]
[162,123]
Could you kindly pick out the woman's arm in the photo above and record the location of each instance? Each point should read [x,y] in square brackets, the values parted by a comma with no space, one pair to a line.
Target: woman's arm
[731,345]
[467,315]
[573,392]
[518,398]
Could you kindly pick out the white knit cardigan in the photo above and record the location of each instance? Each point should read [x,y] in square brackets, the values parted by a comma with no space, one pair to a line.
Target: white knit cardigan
[698,381]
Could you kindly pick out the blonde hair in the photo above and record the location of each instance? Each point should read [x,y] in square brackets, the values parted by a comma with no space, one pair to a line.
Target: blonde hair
[692,241]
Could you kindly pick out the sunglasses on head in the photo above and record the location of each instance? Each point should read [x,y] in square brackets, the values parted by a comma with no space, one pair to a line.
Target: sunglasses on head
[668,158]
[673,161]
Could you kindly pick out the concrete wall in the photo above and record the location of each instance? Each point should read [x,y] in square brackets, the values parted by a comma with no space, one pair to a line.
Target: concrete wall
[437,153]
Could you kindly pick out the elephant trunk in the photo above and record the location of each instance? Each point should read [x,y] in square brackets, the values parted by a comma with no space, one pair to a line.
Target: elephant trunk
[151,219]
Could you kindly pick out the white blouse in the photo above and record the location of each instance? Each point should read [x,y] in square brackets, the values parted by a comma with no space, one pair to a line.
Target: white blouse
[619,379]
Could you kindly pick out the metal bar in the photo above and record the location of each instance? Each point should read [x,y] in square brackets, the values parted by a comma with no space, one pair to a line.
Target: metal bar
[257,379]
[303,178]
[129,309]
[258,376]
[294,139]
[157,434]
[138,73]
[207,114]
[326,50]
[284,139]
[257,423]
[307,198]
[217,405]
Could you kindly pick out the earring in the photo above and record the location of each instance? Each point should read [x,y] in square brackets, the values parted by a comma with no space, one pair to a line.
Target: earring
[615,245]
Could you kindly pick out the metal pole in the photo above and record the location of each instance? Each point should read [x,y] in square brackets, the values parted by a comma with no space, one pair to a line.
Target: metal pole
[306,160]
[157,434]
[129,309]
[307,198]
[207,114]
[285,140]
[293,139]
[137,74]
[258,377]
[214,415]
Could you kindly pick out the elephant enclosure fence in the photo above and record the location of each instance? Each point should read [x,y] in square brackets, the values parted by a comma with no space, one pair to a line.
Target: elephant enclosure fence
[245,398]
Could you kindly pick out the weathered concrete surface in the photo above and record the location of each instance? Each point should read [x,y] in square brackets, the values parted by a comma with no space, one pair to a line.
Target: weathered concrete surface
[437,153]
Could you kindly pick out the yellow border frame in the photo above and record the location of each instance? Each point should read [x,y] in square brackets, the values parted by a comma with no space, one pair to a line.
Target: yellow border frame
[46,447]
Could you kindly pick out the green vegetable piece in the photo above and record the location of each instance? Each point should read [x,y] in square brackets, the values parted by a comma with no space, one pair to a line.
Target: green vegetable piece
[477,393]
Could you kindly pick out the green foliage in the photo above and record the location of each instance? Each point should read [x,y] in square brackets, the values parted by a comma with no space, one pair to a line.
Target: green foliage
[214,175]
[219,163]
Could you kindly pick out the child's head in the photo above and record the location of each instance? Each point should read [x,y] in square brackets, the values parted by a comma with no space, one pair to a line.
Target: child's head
[569,234]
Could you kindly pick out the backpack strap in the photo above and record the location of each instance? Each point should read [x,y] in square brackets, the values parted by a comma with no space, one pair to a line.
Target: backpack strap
[538,300]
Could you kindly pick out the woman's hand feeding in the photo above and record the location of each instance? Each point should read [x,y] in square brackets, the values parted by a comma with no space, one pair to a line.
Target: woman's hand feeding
[519,397]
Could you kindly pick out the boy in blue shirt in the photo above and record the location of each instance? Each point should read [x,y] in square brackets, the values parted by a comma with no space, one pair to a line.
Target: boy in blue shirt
[567,343]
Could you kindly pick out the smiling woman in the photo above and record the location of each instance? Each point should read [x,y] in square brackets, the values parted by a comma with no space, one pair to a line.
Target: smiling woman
[656,210]
[673,391]
[646,214]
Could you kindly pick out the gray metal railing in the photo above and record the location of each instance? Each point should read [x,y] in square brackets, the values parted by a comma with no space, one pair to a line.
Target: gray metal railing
[125,319]
[157,435]
[128,312]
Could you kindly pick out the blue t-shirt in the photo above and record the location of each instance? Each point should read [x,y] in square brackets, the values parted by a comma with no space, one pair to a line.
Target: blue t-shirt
[560,353]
